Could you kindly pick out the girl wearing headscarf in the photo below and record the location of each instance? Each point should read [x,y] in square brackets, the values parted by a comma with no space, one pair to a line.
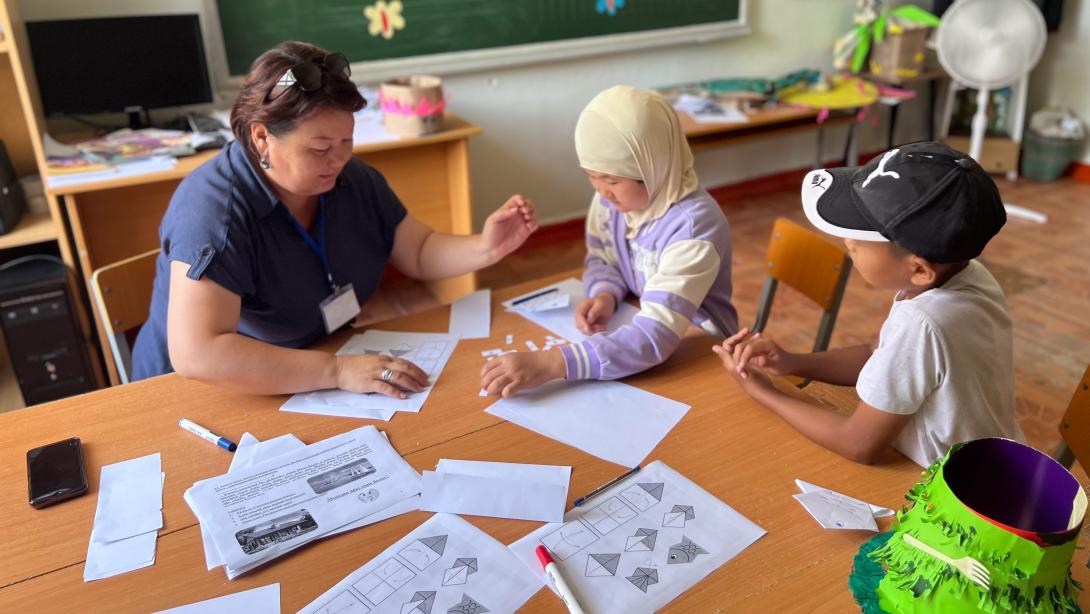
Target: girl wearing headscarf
[652,232]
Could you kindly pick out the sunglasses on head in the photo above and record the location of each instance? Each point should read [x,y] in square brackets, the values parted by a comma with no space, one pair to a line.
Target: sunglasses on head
[307,76]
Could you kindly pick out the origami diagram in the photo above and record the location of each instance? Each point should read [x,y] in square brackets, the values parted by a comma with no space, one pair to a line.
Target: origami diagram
[421,603]
[459,572]
[678,516]
[644,496]
[685,552]
[599,565]
[643,577]
[468,605]
[424,551]
[642,541]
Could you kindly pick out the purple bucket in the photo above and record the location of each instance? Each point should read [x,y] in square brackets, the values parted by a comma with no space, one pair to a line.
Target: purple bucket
[1015,487]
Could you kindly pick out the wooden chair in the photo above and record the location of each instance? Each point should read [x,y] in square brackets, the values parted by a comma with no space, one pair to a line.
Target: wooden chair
[122,294]
[1075,427]
[815,267]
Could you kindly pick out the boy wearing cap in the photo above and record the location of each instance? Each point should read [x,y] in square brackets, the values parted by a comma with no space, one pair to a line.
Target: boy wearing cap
[912,219]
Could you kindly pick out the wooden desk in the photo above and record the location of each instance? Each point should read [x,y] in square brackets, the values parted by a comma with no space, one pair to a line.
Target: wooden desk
[112,220]
[765,123]
[727,444]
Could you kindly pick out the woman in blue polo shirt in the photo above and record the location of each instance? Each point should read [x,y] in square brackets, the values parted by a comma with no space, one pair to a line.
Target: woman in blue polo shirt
[276,241]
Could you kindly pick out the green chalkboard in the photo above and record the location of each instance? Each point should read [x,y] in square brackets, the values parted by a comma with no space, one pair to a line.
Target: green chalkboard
[441,26]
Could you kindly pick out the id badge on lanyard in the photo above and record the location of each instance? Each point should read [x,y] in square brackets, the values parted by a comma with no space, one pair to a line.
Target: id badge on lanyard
[341,306]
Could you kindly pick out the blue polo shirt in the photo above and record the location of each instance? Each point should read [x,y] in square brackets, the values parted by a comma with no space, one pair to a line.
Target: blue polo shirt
[227,224]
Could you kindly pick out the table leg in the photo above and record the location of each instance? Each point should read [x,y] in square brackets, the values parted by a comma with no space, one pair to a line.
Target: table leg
[932,90]
[850,153]
[893,110]
[820,142]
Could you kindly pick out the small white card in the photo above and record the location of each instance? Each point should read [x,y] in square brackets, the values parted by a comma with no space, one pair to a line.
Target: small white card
[502,490]
[340,308]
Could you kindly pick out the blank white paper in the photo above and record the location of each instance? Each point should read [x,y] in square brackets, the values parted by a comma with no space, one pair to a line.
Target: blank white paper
[263,600]
[105,559]
[471,316]
[496,495]
[130,499]
[613,421]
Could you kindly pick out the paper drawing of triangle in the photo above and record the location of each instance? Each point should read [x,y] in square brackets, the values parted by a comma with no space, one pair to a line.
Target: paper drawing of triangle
[455,576]
[642,541]
[471,564]
[685,509]
[370,352]
[437,543]
[421,603]
[399,351]
[467,605]
[600,565]
[654,489]
[675,520]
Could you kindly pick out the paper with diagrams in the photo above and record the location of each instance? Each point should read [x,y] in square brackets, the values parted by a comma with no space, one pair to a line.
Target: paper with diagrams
[444,566]
[640,544]
[429,351]
[269,508]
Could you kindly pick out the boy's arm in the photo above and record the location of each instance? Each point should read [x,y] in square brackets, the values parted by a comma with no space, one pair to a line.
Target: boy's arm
[861,437]
[840,367]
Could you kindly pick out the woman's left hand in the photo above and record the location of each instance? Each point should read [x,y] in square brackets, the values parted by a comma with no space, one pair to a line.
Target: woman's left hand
[508,227]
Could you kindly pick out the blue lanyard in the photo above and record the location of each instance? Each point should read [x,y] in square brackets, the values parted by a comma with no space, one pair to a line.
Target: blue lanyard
[318,247]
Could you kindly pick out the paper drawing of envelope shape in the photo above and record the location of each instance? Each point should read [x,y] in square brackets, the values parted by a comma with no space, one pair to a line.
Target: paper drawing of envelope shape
[642,541]
[421,603]
[599,565]
[459,572]
[643,577]
[678,516]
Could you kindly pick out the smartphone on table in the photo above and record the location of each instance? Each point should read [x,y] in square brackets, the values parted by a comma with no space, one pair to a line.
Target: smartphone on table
[55,472]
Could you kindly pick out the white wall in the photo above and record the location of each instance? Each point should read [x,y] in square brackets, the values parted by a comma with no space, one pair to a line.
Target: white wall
[1063,76]
[528,113]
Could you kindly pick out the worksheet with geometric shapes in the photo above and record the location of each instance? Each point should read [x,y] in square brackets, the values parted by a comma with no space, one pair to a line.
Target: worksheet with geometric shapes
[429,351]
[641,543]
[444,566]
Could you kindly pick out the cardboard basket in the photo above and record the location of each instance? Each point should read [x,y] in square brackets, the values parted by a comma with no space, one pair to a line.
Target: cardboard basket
[412,106]
[900,56]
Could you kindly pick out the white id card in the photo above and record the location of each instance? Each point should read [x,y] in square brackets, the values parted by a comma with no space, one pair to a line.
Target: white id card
[339,308]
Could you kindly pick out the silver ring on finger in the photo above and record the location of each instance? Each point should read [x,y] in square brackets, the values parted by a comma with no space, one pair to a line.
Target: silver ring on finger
[387,374]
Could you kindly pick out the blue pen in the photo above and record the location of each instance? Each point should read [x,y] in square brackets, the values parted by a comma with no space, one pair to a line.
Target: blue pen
[533,296]
[583,499]
[207,435]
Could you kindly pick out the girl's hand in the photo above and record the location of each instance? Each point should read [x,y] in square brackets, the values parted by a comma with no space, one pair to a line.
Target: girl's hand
[592,314]
[753,380]
[364,374]
[510,373]
[760,352]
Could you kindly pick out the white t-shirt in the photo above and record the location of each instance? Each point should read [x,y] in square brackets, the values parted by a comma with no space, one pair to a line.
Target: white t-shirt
[946,357]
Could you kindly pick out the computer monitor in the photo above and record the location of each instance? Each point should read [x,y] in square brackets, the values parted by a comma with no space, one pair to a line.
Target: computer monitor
[119,64]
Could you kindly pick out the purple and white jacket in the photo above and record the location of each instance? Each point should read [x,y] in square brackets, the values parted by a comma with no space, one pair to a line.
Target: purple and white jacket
[679,267]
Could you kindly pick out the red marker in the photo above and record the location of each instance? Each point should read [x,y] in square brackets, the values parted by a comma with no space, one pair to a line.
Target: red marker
[553,571]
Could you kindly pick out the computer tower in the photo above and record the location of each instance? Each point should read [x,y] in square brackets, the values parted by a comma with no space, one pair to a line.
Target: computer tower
[41,330]
[12,199]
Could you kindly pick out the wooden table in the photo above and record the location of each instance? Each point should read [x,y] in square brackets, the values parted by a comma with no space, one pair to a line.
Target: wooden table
[726,444]
[764,123]
[114,219]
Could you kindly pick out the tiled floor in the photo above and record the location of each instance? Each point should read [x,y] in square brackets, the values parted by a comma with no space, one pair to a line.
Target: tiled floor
[1044,269]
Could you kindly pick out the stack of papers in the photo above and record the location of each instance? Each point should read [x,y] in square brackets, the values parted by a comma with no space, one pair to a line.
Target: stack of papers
[444,566]
[127,519]
[267,506]
[429,351]
[611,420]
[834,510]
[641,543]
[503,490]
[557,309]
[264,600]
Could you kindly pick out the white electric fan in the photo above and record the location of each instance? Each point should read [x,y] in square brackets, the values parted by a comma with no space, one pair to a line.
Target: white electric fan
[987,45]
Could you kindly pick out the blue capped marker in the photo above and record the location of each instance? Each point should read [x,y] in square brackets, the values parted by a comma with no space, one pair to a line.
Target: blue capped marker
[207,435]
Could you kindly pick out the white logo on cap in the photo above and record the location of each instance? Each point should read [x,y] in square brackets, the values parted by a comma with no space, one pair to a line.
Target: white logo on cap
[881,171]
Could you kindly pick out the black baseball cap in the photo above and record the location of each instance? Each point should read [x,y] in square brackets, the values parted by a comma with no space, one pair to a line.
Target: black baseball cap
[929,199]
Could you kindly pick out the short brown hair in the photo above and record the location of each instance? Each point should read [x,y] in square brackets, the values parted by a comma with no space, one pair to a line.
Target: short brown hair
[283,114]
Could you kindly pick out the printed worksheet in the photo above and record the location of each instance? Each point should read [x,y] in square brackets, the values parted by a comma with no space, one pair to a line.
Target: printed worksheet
[444,566]
[640,544]
[429,351]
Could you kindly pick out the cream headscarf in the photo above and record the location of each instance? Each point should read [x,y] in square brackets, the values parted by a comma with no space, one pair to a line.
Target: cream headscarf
[634,133]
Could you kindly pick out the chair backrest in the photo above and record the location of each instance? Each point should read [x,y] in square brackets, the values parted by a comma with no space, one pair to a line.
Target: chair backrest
[122,293]
[806,261]
[1075,426]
